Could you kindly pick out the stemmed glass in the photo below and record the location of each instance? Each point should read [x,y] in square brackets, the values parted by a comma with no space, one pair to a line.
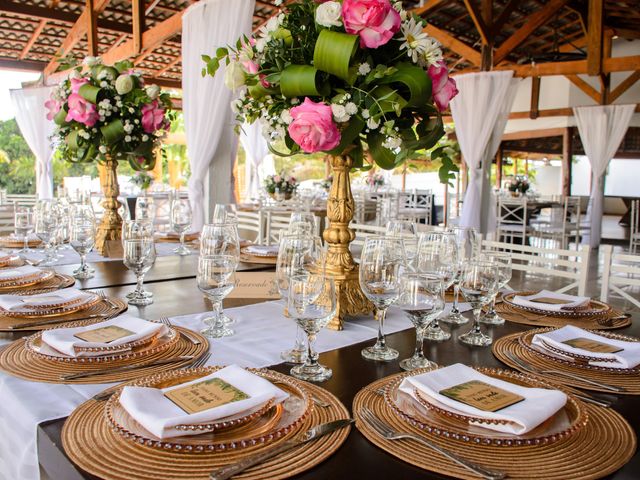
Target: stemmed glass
[437,254]
[139,256]
[311,302]
[478,284]
[303,222]
[422,299]
[406,231]
[225,213]
[180,222]
[380,265]
[219,257]
[24,226]
[46,224]
[82,236]
[466,239]
[502,261]
[145,208]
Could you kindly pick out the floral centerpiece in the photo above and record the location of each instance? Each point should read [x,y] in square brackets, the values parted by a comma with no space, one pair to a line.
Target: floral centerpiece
[518,185]
[374,181]
[107,114]
[142,180]
[280,184]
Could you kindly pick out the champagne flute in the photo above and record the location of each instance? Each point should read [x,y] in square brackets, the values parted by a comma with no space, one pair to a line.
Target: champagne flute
[216,279]
[139,257]
[181,218]
[311,302]
[478,284]
[380,264]
[502,261]
[438,254]
[467,240]
[422,299]
[82,236]
[405,230]
[24,226]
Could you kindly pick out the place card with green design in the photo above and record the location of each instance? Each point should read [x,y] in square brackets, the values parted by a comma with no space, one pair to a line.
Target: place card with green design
[107,334]
[593,346]
[204,395]
[481,395]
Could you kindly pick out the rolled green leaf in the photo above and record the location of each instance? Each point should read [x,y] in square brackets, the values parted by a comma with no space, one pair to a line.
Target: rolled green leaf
[387,100]
[383,157]
[83,152]
[349,136]
[72,140]
[302,81]
[333,53]
[413,82]
[90,93]
[258,91]
[113,132]
[60,117]
[429,132]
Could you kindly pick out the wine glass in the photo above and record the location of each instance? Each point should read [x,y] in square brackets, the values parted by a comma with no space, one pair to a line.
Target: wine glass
[467,240]
[216,279]
[139,256]
[24,226]
[82,236]
[478,284]
[502,261]
[298,254]
[380,264]
[180,222]
[225,213]
[145,208]
[438,254]
[422,299]
[303,222]
[46,224]
[407,232]
[311,302]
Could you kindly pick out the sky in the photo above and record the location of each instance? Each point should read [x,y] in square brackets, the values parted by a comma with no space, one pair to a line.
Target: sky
[8,80]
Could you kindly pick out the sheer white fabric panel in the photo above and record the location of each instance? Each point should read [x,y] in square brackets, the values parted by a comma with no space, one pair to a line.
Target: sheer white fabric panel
[31,117]
[601,128]
[475,111]
[256,149]
[207,25]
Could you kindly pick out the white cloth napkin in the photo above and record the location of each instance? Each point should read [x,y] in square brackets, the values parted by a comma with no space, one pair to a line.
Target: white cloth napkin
[64,341]
[266,250]
[10,302]
[18,272]
[572,301]
[538,405]
[629,357]
[159,415]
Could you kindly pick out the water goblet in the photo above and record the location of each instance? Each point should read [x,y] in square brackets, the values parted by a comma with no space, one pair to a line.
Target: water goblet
[216,279]
[46,224]
[139,257]
[478,284]
[145,208]
[82,236]
[503,263]
[181,218]
[467,241]
[24,226]
[407,232]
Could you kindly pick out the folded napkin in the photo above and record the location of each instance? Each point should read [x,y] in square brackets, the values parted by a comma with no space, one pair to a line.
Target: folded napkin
[64,340]
[264,250]
[5,255]
[627,357]
[159,415]
[188,237]
[10,302]
[558,302]
[538,405]
[19,272]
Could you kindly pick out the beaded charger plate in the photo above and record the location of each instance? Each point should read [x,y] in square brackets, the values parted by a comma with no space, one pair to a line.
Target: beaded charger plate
[434,418]
[17,360]
[94,446]
[592,309]
[513,346]
[18,281]
[53,308]
[11,261]
[10,241]
[246,258]
[599,448]
[55,282]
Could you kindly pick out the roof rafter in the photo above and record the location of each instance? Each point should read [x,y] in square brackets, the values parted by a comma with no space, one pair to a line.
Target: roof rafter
[34,36]
[585,87]
[455,45]
[624,86]
[481,26]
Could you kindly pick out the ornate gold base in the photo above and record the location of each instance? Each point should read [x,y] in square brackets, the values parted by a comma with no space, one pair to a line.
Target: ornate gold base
[110,227]
[350,299]
[106,233]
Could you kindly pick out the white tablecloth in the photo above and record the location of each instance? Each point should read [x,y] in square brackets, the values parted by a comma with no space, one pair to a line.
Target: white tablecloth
[262,332]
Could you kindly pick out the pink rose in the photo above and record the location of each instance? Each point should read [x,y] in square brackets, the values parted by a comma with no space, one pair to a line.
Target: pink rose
[250,67]
[443,88]
[81,110]
[277,179]
[53,106]
[313,128]
[76,83]
[376,21]
[153,117]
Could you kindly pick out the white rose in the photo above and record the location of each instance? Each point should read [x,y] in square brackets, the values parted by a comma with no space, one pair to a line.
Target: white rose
[153,91]
[91,61]
[329,14]
[124,84]
[234,76]
[286,117]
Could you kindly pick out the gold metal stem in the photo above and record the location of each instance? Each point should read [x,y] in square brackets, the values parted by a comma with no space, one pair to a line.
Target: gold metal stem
[110,227]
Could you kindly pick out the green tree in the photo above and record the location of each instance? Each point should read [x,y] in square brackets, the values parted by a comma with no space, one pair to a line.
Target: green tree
[17,173]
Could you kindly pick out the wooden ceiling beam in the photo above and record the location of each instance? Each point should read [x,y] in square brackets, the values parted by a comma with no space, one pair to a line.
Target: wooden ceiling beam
[32,40]
[530,134]
[535,98]
[624,86]
[479,22]
[169,66]
[455,45]
[138,14]
[552,112]
[594,37]
[92,28]
[428,5]
[585,87]
[504,17]
[610,65]
[533,22]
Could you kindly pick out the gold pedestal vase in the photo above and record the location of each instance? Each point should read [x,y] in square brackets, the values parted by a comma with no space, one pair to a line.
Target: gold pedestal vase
[110,227]
[340,264]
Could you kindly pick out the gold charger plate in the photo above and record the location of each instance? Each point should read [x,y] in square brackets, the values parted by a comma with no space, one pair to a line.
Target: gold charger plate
[601,447]
[17,360]
[56,282]
[53,310]
[26,280]
[9,241]
[511,345]
[280,421]
[91,444]
[268,253]
[12,261]
[432,419]
[261,260]
[593,309]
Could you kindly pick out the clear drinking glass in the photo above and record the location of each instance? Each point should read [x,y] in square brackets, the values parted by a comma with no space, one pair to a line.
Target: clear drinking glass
[422,299]
[311,302]
[82,236]
[139,256]
[181,218]
[380,265]
[216,279]
[24,226]
[302,222]
[502,261]
[467,241]
[46,224]
[225,213]
[437,254]
[407,231]
[478,284]
[145,208]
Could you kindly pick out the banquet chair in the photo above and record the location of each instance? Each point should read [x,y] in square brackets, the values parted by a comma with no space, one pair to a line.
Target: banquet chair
[634,230]
[621,272]
[548,262]
[364,208]
[7,219]
[275,222]
[22,200]
[253,224]
[513,219]
[363,231]
[418,207]
[562,224]
[387,207]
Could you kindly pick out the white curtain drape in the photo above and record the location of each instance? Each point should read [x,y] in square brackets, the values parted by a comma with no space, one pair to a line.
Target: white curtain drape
[475,111]
[256,149]
[601,128]
[31,116]
[207,25]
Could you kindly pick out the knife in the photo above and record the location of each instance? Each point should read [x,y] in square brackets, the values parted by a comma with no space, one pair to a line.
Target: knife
[73,376]
[318,431]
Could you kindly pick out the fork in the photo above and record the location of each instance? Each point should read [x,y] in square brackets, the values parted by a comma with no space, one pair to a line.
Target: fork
[185,333]
[106,299]
[388,433]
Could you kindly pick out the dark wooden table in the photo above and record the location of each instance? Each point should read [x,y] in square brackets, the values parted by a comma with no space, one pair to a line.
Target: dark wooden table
[357,458]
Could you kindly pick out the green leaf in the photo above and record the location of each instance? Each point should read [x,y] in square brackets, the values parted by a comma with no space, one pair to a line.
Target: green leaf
[349,135]
[205,58]
[221,52]
[90,93]
[113,132]
[302,81]
[333,53]
[414,81]
[383,157]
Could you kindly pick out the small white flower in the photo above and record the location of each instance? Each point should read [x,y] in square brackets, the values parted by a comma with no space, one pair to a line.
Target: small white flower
[90,61]
[101,113]
[365,113]
[104,84]
[136,121]
[419,46]
[108,113]
[75,74]
[392,143]
[272,24]
[102,149]
[153,91]
[127,138]
[373,123]
[131,110]
[119,104]
[277,3]
[260,44]
[295,101]
[102,119]
[329,14]
[128,128]
[351,108]
[145,138]
[339,113]
[364,68]
[285,117]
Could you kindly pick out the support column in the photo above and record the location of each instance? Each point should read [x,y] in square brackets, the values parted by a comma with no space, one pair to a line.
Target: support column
[567,154]
[499,167]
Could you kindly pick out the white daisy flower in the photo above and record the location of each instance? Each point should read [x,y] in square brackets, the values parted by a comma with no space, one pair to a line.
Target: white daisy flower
[392,143]
[416,41]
